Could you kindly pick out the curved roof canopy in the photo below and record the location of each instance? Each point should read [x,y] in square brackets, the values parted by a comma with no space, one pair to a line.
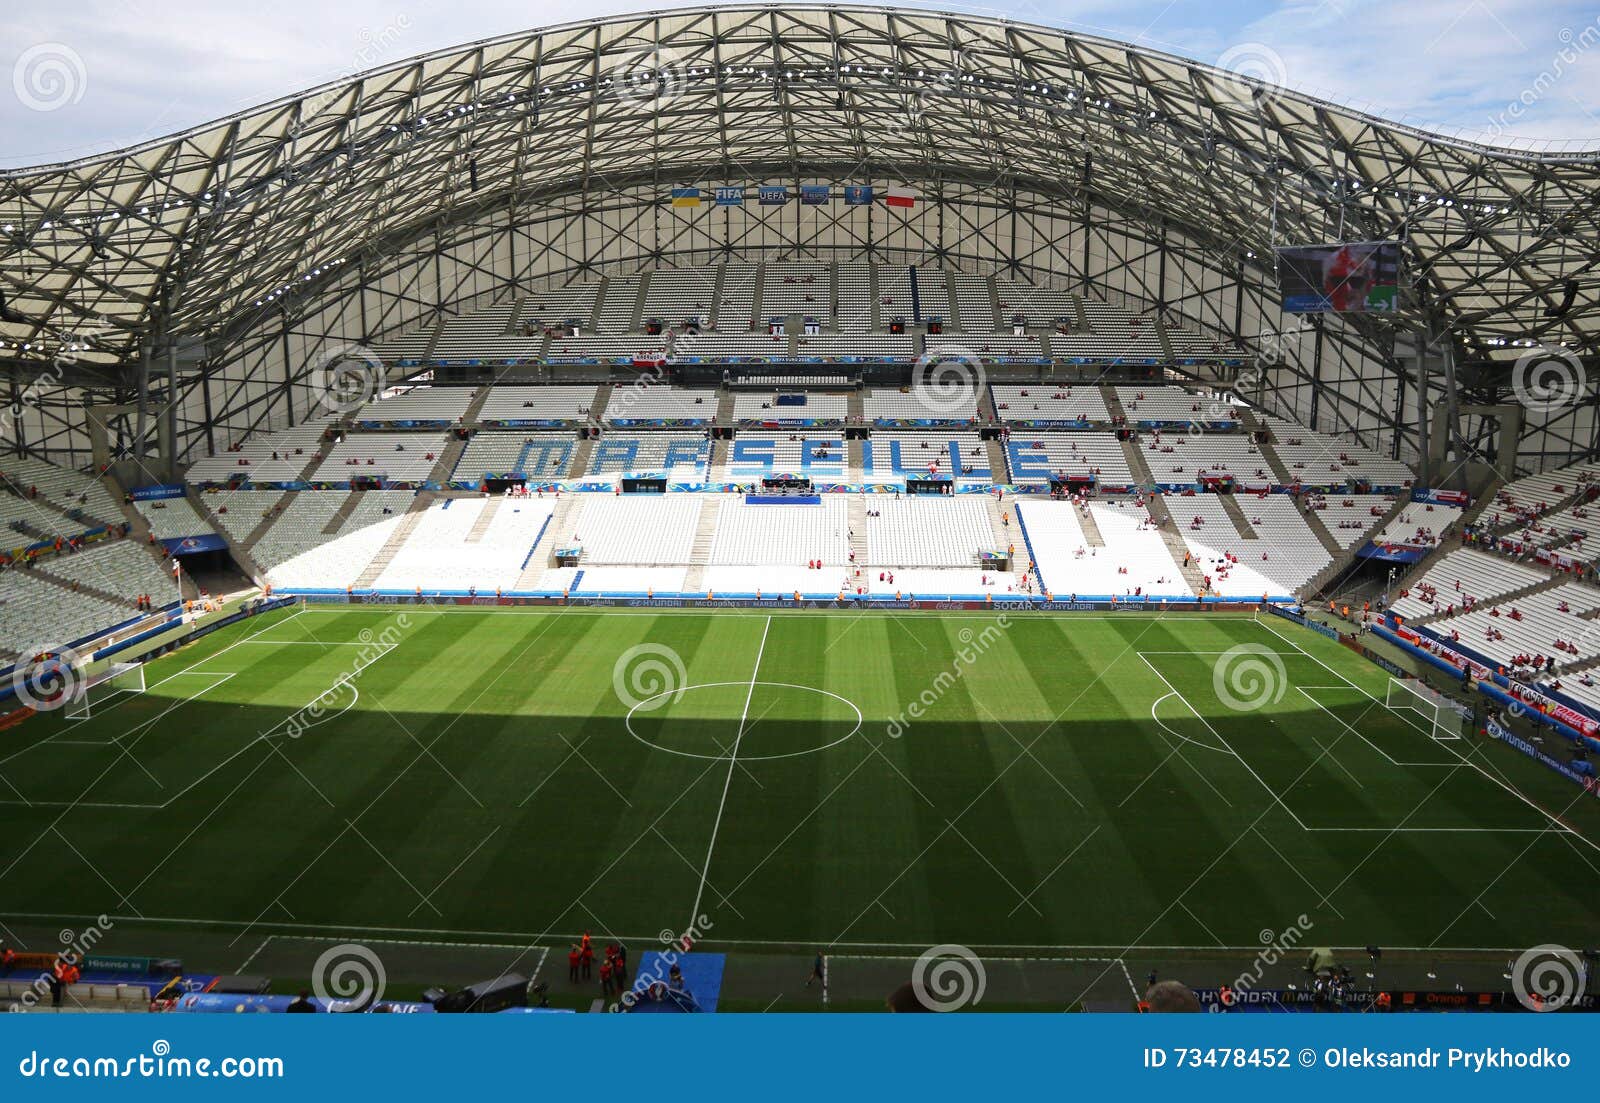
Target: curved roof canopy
[210,228]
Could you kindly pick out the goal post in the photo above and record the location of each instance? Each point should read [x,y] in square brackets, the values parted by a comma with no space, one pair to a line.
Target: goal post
[1434,712]
[112,680]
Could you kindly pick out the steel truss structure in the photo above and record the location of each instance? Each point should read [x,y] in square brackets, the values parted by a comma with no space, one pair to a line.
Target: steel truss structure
[197,279]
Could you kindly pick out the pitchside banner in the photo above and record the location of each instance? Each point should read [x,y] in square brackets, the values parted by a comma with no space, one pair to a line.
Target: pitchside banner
[1361,277]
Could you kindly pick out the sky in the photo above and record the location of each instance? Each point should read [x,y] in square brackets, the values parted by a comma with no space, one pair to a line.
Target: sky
[81,77]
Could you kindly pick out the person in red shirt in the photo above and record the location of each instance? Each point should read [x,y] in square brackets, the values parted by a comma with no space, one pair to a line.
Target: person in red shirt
[63,976]
[572,965]
[586,954]
[605,978]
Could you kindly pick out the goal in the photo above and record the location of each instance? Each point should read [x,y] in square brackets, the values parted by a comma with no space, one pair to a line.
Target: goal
[1435,713]
[103,685]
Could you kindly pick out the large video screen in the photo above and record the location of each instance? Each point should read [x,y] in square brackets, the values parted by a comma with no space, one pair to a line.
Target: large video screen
[1352,278]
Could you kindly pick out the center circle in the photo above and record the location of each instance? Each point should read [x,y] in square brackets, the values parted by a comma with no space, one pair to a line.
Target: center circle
[658,707]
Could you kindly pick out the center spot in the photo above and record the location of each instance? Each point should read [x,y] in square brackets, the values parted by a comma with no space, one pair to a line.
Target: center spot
[782,720]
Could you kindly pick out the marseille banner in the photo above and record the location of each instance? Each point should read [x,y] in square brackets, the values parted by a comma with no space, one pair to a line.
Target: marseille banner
[813,195]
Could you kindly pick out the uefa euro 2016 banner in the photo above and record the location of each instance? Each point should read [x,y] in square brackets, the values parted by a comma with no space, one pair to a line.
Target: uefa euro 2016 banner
[1358,277]
[157,493]
[779,195]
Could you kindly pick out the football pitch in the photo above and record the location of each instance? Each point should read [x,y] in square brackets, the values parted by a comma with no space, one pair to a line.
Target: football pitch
[860,782]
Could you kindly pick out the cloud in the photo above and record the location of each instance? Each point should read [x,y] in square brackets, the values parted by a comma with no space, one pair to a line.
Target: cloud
[154,67]
[1441,63]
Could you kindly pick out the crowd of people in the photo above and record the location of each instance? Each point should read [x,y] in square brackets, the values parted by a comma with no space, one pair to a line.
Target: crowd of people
[613,971]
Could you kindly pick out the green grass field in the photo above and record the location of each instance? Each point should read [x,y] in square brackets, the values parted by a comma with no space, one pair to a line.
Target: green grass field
[863,782]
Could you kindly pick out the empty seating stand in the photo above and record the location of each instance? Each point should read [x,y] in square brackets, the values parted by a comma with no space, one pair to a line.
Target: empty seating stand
[263,457]
[421,404]
[392,457]
[1463,576]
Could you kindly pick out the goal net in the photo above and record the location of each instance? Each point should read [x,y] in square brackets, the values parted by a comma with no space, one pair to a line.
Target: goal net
[99,688]
[1425,708]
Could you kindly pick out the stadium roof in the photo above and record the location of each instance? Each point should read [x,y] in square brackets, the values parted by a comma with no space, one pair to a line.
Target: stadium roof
[208,229]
